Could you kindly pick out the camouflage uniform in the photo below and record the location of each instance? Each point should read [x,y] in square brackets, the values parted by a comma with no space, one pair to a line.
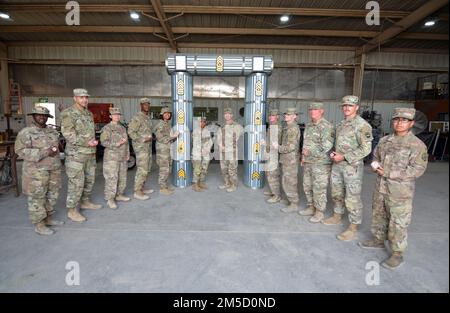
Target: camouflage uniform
[403,159]
[201,153]
[318,140]
[163,156]
[78,129]
[289,155]
[114,159]
[41,173]
[139,129]
[274,133]
[228,136]
[354,141]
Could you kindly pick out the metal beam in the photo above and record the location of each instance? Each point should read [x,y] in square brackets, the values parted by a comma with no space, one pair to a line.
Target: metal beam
[164,24]
[213,31]
[188,45]
[359,75]
[197,9]
[419,14]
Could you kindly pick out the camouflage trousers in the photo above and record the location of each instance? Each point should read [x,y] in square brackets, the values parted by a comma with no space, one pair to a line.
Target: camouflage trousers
[289,179]
[200,170]
[346,183]
[42,189]
[229,171]
[80,170]
[144,166]
[164,162]
[273,180]
[115,173]
[390,218]
[315,183]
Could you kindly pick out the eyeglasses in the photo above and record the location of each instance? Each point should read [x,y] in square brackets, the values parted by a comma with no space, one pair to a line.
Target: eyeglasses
[400,120]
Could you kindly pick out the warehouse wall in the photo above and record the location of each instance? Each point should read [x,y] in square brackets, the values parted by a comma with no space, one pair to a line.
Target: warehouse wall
[121,75]
[157,55]
[130,107]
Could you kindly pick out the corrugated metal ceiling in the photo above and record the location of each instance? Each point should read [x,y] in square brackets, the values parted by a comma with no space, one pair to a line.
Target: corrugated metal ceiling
[226,21]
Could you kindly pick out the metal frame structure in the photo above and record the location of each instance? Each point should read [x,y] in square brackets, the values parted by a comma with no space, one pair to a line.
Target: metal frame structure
[256,69]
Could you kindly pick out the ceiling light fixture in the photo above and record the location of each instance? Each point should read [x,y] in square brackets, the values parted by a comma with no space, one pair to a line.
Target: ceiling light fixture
[4,16]
[430,23]
[134,15]
[284,18]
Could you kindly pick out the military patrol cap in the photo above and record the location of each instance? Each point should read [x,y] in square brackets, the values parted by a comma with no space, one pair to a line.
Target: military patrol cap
[166,110]
[408,113]
[290,111]
[227,110]
[113,110]
[144,100]
[274,112]
[40,110]
[350,100]
[80,92]
[315,106]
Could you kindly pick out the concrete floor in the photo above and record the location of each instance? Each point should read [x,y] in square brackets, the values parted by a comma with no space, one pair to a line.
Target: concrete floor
[218,242]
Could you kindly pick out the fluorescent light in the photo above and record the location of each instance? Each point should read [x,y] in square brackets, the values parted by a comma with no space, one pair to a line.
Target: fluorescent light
[134,15]
[284,18]
[4,16]
[430,23]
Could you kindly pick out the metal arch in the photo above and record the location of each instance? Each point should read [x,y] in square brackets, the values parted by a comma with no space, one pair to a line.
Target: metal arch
[182,68]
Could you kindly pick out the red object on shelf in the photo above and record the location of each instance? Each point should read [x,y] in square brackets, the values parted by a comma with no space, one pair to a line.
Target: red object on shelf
[100,112]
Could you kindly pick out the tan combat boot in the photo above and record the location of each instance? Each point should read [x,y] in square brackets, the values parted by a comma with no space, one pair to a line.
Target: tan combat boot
[394,261]
[196,187]
[349,234]
[165,191]
[336,219]
[309,211]
[226,185]
[232,188]
[122,198]
[317,217]
[274,199]
[50,221]
[148,191]
[293,207]
[75,216]
[268,193]
[372,244]
[140,195]
[42,229]
[202,185]
[112,204]
[88,205]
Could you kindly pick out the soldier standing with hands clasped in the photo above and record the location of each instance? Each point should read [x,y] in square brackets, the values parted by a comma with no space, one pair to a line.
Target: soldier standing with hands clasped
[78,128]
[115,140]
[399,159]
[37,145]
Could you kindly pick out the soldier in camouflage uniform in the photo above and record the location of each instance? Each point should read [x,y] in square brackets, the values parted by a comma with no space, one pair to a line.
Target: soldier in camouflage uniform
[317,144]
[164,139]
[78,128]
[273,166]
[140,131]
[201,154]
[37,145]
[353,144]
[115,140]
[399,159]
[289,155]
[227,139]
